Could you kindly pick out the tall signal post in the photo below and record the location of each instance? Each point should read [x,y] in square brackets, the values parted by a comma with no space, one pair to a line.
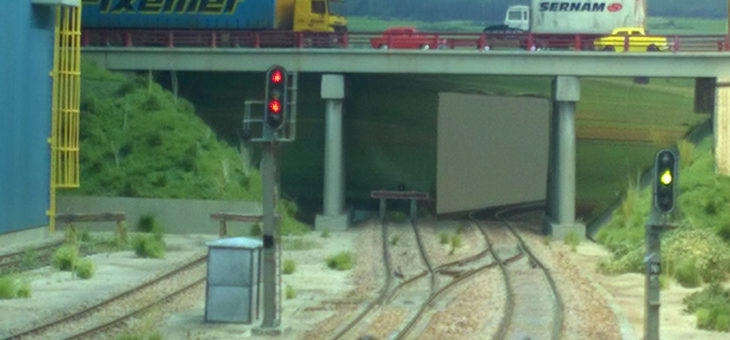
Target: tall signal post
[664,197]
[276,125]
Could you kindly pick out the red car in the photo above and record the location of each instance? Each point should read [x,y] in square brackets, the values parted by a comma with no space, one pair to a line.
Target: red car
[407,37]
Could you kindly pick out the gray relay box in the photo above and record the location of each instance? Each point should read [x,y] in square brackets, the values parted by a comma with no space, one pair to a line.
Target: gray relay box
[233,280]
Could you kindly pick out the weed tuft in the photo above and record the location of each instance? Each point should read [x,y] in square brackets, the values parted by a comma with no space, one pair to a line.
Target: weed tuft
[85,268]
[288,266]
[148,246]
[343,260]
[65,257]
[290,293]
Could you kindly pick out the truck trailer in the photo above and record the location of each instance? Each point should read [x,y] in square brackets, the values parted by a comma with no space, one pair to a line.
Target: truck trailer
[571,17]
[284,15]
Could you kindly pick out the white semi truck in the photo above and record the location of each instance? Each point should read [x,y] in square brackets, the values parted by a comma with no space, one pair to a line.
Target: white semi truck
[589,17]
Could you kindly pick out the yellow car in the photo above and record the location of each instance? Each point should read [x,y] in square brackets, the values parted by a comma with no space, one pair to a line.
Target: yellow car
[630,39]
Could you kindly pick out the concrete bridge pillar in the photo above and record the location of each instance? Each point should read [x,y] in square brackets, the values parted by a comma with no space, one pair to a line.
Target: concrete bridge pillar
[334,216]
[560,214]
[721,125]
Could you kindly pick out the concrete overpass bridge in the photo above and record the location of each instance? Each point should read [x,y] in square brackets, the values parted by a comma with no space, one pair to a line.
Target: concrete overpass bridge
[711,69]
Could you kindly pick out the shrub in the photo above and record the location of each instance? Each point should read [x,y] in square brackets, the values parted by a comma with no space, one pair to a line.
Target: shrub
[325,233]
[65,257]
[444,237]
[148,246]
[342,261]
[30,259]
[11,287]
[290,293]
[85,268]
[455,241]
[571,239]
[711,306]
[148,224]
[289,266]
[686,273]
[255,230]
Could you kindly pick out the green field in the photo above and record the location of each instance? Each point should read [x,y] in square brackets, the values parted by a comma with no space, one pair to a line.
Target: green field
[664,25]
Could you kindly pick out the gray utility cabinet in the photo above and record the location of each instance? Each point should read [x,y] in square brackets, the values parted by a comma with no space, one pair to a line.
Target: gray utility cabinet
[234,280]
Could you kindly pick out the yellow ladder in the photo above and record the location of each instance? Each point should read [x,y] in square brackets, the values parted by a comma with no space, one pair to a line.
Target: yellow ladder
[66,72]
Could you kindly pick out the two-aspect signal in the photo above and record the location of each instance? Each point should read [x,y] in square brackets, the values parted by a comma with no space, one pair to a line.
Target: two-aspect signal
[276,99]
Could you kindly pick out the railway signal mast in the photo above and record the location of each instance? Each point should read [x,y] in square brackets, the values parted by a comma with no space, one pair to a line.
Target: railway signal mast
[274,124]
[664,190]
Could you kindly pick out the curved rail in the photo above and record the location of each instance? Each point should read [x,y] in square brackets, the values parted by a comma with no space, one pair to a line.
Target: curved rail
[382,295]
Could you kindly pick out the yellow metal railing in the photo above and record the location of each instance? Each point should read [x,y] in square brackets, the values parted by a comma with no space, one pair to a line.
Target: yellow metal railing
[64,140]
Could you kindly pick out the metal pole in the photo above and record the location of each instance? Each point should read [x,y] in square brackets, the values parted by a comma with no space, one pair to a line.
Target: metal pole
[652,265]
[272,301]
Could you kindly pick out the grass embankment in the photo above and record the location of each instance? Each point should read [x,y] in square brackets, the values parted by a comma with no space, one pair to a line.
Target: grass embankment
[698,251]
[138,140]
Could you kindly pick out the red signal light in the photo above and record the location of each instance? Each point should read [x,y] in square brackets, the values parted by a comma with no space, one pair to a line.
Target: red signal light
[276,76]
[274,106]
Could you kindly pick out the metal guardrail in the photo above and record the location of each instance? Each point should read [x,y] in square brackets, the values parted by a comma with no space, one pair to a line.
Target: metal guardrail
[450,40]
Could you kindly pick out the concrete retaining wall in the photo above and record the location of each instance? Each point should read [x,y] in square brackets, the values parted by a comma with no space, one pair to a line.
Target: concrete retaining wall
[179,216]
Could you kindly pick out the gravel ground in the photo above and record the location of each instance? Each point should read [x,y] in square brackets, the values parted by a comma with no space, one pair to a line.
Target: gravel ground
[326,299]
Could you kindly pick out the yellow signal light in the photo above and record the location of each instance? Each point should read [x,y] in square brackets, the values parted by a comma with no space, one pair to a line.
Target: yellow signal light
[666,177]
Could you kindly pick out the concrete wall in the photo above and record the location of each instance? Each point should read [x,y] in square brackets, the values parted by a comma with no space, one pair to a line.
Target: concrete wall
[25,111]
[177,215]
[492,151]
[722,126]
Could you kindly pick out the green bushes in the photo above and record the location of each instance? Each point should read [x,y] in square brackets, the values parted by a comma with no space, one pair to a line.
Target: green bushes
[85,268]
[343,260]
[711,306]
[444,237]
[687,274]
[148,246]
[288,266]
[12,287]
[65,257]
[571,239]
[289,292]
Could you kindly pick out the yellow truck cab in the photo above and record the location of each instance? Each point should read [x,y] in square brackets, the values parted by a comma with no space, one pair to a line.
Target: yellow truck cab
[630,39]
[315,16]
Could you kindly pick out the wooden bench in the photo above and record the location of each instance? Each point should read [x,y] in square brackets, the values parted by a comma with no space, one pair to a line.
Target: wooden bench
[413,196]
[116,217]
[222,217]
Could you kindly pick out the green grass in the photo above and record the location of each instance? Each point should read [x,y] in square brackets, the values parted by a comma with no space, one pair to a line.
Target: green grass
[343,260]
[288,266]
[148,246]
[572,240]
[444,237]
[139,141]
[698,250]
[289,292]
[13,287]
[65,257]
[85,268]
[670,25]
[711,307]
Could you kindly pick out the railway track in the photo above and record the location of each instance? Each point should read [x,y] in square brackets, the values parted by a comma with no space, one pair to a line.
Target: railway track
[15,260]
[419,292]
[93,321]
[534,309]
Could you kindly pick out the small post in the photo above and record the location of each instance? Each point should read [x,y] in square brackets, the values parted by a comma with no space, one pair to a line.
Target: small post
[414,209]
[382,208]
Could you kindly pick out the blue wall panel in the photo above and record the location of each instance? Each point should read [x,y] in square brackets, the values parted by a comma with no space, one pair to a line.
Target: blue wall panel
[25,111]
